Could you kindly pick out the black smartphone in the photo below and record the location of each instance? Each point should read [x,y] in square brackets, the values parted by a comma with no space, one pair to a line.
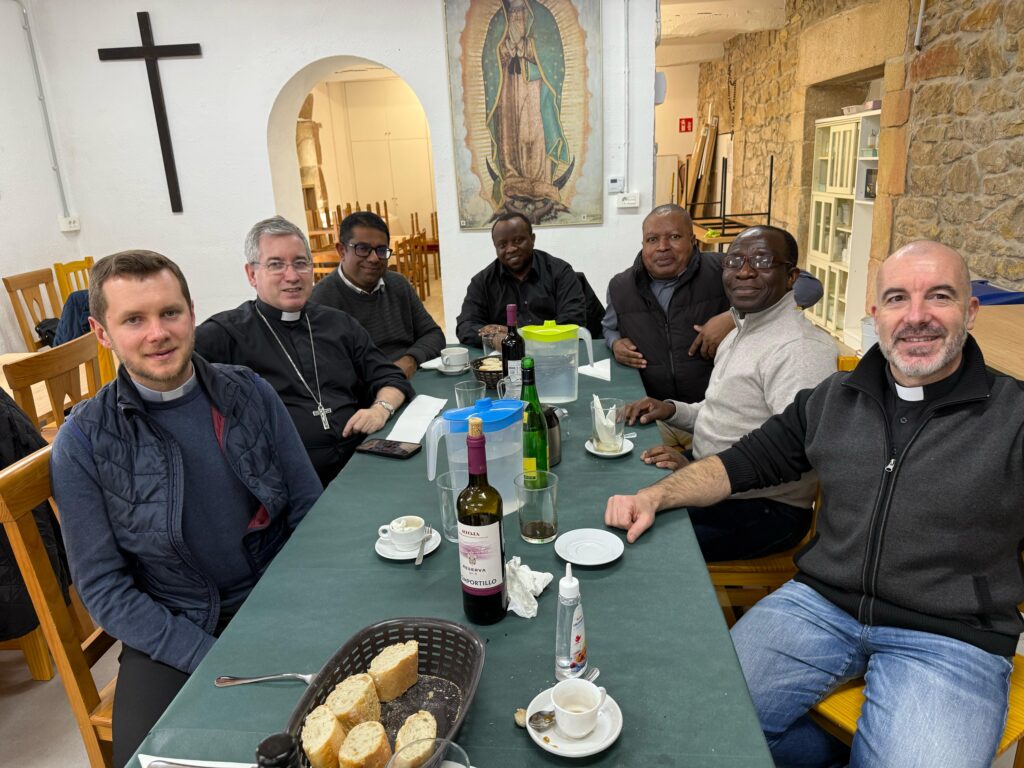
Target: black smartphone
[390,448]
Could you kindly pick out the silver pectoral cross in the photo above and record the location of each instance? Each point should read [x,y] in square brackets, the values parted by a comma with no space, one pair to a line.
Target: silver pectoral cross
[322,413]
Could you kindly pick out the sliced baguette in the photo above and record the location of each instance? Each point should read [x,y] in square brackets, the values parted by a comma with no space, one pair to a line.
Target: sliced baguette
[421,725]
[366,746]
[322,737]
[354,700]
[395,669]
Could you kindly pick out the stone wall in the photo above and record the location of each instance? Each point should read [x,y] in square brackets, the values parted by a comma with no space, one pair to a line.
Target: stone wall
[965,168]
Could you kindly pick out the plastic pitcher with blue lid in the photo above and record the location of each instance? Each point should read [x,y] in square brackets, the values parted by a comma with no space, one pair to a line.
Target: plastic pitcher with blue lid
[503,431]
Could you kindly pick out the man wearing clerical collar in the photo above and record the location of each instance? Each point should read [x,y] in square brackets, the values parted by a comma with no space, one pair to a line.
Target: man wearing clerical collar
[541,286]
[914,575]
[177,483]
[382,300]
[337,385]
[773,352]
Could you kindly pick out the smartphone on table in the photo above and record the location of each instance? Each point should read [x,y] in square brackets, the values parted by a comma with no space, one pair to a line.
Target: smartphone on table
[390,448]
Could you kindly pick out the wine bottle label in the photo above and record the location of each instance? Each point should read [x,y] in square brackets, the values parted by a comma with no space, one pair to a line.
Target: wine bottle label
[578,646]
[480,564]
[530,467]
[515,369]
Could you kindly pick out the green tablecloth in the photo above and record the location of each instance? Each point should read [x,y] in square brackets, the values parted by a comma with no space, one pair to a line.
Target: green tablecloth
[653,624]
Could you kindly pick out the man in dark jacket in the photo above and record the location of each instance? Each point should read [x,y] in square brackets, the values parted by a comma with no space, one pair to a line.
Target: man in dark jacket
[914,575]
[178,482]
[541,286]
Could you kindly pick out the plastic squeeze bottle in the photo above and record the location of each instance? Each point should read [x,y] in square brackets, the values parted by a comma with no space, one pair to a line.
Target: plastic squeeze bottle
[570,634]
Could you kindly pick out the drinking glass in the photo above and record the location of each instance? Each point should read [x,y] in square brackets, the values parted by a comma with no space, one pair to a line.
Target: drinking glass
[538,506]
[468,392]
[449,486]
[607,424]
[440,753]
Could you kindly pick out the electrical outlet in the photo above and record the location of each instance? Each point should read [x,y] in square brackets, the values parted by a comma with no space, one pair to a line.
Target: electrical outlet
[628,200]
[69,223]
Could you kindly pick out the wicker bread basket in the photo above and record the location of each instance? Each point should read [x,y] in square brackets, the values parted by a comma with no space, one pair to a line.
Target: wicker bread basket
[489,378]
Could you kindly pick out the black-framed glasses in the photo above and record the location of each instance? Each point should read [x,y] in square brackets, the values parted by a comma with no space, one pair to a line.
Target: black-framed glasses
[735,261]
[365,249]
[275,267]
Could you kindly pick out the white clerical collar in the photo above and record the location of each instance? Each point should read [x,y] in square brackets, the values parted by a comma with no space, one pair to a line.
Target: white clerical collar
[910,394]
[155,396]
[378,287]
[290,317]
[277,314]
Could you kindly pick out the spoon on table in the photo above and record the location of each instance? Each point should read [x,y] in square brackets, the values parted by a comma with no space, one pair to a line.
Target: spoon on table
[226,681]
[545,718]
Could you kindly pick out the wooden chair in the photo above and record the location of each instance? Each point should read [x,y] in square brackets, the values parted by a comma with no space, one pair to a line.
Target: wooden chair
[420,271]
[29,293]
[838,713]
[381,209]
[324,262]
[72,276]
[24,485]
[434,245]
[59,369]
[37,655]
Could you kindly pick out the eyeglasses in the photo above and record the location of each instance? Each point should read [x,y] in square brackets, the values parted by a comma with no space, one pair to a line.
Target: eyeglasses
[365,249]
[275,267]
[735,261]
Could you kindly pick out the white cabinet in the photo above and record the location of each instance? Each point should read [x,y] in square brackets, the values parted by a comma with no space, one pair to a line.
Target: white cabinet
[839,236]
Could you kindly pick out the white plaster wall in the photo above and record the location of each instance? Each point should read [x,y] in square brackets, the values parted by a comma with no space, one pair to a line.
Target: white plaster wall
[680,101]
[220,107]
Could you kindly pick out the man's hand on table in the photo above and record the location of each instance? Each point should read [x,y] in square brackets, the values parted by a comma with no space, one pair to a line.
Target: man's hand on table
[626,353]
[711,334]
[648,409]
[635,514]
[664,457]
[366,421]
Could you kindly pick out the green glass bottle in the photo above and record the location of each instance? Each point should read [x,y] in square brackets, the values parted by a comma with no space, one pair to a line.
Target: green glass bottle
[535,426]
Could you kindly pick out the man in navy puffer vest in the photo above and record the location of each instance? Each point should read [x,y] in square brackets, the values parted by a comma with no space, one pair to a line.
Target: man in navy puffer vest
[177,483]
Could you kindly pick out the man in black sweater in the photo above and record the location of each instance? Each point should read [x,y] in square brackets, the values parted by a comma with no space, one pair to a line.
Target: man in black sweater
[383,301]
[914,576]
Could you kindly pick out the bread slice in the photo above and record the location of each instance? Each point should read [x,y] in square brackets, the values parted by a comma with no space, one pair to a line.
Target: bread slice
[395,669]
[421,725]
[322,737]
[354,700]
[366,746]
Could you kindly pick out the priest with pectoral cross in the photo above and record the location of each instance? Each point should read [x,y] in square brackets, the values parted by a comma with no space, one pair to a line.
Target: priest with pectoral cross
[337,385]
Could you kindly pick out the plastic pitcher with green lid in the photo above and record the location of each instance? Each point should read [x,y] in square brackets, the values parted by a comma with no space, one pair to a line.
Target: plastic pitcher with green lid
[555,352]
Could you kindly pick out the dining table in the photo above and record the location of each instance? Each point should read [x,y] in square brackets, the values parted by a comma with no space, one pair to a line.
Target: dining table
[654,627]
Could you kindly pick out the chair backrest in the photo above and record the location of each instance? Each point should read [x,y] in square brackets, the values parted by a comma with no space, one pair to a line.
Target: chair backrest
[72,276]
[27,292]
[433,226]
[24,485]
[60,370]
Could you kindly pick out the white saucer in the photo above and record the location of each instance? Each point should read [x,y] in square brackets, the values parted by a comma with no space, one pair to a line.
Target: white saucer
[453,371]
[607,730]
[627,447]
[388,550]
[589,546]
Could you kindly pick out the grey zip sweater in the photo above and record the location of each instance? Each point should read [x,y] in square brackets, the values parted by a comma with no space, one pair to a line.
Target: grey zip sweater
[926,538]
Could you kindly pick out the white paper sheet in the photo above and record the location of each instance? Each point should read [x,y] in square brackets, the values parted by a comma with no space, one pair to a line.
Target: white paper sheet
[413,423]
[599,370]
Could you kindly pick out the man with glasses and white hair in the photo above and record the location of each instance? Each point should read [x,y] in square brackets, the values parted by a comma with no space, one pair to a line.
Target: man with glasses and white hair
[335,382]
[383,301]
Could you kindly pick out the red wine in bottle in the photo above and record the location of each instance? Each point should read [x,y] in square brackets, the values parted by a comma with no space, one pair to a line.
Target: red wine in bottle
[512,346]
[481,539]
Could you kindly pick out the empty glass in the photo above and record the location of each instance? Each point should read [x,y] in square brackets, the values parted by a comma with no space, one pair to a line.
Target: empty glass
[430,753]
[468,392]
[449,486]
[538,506]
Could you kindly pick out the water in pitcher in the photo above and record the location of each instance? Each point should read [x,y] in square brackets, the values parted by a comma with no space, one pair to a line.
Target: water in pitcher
[504,462]
[556,378]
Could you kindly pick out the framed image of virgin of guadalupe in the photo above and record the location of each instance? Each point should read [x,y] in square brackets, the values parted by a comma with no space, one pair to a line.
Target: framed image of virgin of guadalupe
[525,82]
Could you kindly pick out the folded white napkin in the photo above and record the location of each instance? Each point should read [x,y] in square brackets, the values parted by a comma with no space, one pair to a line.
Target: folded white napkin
[602,369]
[413,423]
[431,365]
[524,584]
[145,760]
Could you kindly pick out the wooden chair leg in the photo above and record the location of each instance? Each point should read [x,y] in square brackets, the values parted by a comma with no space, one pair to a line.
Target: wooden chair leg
[37,655]
[1018,756]
[84,626]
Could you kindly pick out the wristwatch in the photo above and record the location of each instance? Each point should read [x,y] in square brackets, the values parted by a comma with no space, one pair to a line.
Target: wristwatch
[387,407]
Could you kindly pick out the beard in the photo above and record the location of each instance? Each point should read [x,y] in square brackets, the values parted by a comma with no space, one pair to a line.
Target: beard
[920,365]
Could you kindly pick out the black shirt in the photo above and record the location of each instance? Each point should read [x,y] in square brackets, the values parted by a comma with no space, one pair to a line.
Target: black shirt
[550,291]
[351,369]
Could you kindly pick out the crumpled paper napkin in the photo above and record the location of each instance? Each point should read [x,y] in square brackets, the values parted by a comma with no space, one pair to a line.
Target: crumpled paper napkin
[604,422]
[524,584]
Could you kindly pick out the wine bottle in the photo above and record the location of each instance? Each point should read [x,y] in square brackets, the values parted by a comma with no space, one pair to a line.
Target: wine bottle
[512,346]
[481,539]
[535,427]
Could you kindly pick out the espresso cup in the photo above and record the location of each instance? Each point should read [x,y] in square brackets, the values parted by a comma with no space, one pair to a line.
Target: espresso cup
[576,703]
[403,532]
[454,358]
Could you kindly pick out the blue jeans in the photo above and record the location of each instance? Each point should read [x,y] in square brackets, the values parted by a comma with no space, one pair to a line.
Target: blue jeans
[930,701]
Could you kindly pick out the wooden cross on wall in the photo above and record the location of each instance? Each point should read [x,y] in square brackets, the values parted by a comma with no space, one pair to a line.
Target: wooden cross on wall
[151,53]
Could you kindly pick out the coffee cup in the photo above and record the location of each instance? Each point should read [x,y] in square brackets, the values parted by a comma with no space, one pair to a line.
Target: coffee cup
[576,703]
[403,532]
[454,358]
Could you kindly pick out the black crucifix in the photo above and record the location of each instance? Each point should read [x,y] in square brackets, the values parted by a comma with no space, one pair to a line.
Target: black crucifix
[151,53]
